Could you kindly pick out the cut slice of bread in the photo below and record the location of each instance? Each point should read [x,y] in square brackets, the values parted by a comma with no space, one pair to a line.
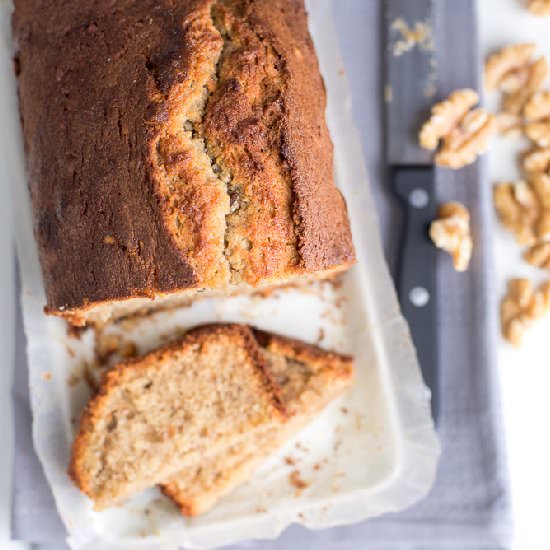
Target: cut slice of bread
[308,378]
[154,414]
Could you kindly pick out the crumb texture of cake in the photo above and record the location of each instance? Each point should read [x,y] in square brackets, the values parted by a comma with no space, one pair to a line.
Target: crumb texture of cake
[308,379]
[153,414]
[174,148]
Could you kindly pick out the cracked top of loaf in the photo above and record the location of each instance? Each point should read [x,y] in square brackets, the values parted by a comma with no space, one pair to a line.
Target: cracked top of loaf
[175,145]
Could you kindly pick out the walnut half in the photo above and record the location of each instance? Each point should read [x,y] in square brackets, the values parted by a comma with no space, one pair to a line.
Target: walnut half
[445,116]
[536,161]
[540,8]
[520,307]
[518,208]
[537,115]
[465,132]
[538,255]
[507,63]
[514,71]
[467,141]
[451,232]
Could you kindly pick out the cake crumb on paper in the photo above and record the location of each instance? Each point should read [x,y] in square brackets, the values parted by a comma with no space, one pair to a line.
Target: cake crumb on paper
[297,481]
[320,335]
[418,34]
[388,93]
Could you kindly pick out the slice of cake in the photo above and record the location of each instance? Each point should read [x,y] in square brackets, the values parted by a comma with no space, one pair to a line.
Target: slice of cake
[308,379]
[154,414]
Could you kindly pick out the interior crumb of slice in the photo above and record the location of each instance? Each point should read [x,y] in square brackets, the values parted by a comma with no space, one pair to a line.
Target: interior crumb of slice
[305,387]
[164,410]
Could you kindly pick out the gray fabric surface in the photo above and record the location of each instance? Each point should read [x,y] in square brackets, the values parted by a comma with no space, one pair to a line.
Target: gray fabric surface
[469,504]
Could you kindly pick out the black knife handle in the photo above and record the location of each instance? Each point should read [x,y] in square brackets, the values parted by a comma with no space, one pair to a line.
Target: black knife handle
[416,280]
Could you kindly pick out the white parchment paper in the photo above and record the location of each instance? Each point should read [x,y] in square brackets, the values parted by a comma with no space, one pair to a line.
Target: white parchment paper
[373,451]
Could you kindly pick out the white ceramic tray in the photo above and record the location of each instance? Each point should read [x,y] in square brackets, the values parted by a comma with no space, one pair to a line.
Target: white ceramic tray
[372,452]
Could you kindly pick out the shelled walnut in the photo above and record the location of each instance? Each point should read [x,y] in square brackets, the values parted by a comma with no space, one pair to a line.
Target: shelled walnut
[538,106]
[451,232]
[520,307]
[509,124]
[464,132]
[468,140]
[541,186]
[537,116]
[445,116]
[538,255]
[539,7]
[536,160]
[537,73]
[518,209]
[508,65]
[514,71]
[539,133]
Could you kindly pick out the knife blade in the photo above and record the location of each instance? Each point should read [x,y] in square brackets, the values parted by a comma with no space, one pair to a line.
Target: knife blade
[411,83]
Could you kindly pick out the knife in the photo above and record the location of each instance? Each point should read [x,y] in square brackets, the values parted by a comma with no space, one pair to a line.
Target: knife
[411,80]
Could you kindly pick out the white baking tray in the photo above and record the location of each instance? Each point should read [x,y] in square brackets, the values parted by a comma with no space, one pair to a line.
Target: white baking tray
[372,452]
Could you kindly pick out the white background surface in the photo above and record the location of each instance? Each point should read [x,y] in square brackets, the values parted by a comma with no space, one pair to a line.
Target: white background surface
[525,373]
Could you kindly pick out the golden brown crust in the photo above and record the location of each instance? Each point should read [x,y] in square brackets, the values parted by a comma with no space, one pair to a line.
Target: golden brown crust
[304,352]
[117,375]
[125,202]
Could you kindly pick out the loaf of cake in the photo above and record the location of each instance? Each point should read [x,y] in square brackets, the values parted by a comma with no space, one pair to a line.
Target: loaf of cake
[174,149]
[308,378]
[221,399]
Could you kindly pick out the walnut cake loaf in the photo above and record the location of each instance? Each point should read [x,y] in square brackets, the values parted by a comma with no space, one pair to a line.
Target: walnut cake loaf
[174,148]
[200,415]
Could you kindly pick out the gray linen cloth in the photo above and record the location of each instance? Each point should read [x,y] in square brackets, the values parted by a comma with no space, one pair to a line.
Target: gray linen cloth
[468,507]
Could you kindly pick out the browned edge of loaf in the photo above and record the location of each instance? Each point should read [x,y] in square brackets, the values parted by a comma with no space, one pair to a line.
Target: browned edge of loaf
[77,316]
[294,349]
[115,375]
[96,82]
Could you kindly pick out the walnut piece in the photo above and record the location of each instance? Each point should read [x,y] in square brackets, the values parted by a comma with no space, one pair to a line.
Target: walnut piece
[451,232]
[445,116]
[465,132]
[509,124]
[541,186]
[538,132]
[520,307]
[468,140]
[539,7]
[538,106]
[537,160]
[514,102]
[517,207]
[538,255]
[506,62]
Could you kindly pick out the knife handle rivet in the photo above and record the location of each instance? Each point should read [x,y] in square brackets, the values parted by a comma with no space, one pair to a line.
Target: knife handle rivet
[419,296]
[418,198]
